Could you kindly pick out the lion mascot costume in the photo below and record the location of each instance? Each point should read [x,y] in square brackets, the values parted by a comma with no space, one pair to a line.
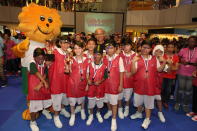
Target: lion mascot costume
[39,24]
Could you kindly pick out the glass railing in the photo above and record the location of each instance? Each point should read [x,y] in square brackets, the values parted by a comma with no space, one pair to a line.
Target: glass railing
[156,4]
[62,5]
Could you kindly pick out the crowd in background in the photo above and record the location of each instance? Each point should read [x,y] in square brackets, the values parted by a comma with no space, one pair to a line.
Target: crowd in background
[69,5]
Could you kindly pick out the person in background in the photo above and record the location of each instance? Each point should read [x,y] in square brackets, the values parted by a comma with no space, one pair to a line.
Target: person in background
[193,113]
[100,37]
[2,75]
[169,74]
[188,63]
[10,58]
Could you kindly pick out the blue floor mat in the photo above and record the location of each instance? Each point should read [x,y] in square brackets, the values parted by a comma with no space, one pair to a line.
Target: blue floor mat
[13,103]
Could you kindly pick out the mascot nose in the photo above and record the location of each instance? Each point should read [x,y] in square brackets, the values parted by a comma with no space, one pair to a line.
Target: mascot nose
[47,25]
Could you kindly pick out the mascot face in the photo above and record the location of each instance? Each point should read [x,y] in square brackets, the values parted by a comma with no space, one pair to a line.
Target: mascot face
[39,23]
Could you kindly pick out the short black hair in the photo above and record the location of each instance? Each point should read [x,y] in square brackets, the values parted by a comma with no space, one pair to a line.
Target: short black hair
[38,52]
[80,44]
[91,39]
[146,42]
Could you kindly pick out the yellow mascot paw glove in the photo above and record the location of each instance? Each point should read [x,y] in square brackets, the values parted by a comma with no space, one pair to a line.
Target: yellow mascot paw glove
[20,49]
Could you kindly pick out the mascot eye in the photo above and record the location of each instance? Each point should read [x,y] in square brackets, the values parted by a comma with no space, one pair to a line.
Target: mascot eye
[42,18]
[50,20]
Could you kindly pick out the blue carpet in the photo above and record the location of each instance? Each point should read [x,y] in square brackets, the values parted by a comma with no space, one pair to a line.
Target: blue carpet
[12,104]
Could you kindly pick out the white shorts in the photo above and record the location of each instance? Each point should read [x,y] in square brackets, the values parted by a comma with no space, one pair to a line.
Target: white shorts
[74,101]
[158,97]
[148,101]
[92,102]
[126,94]
[111,99]
[58,100]
[38,105]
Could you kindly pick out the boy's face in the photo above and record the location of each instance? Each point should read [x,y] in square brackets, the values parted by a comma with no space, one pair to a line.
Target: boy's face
[64,46]
[91,45]
[97,57]
[110,50]
[78,50]
[127,48]
[158,52]
[145,50]
[39,59]
[170,48]
[78,38]
[48,63]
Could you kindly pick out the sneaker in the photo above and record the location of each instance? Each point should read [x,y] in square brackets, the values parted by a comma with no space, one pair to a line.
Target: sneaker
[186,108]
[126,112]
[194,118]
[161,117]
[78,109]
[172,97]
[57,122]
[33,126]
[191,114]
[177,107]
[4,84]
[146,123]
[47,114]
[72,120]
[108,114]
[120,113]
[83,115]
[65,113]
[136,115]
[90,119]
[113,125]
[99,117]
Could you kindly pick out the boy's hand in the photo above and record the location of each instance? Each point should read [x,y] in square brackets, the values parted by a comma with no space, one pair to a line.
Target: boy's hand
[89,82]
[87,87]
[46,84]
[136,58]
[194,74]
[128,74]
[120,89]
[97,83]
[37,88]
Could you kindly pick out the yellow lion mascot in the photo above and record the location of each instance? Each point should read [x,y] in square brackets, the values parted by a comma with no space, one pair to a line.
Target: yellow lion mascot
[39,24]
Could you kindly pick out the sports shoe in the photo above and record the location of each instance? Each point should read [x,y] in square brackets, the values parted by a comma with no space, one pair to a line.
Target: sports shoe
[113,125]
[191,114]
[57,122]
[72,120]
[33,126]
[126,112]
[136,115]
[146,123]
[161,117]
[120,113]
[83,115]
[90,119]
[99,117]
[65,113]
[47,114]
[108,114]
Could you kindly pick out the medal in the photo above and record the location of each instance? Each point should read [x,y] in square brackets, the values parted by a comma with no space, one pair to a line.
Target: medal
[146,67]
[190,56]
[80,70]
[95,71]
[109,66]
